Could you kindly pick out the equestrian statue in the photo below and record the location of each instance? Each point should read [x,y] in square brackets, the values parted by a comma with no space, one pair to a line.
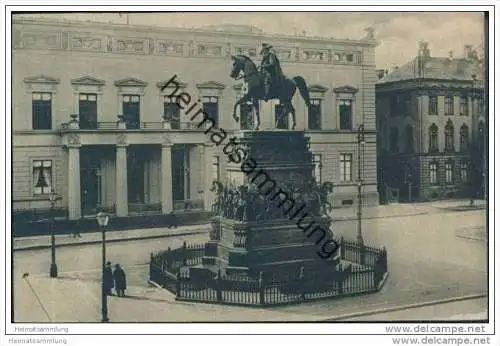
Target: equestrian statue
[267,82]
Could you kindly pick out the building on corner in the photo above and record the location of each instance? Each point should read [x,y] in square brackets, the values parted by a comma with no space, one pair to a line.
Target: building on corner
[431,127]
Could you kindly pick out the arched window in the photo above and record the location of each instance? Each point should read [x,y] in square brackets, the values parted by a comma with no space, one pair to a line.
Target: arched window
[409,138]
[433,139]
[449,137]
[481,134]
[464,138]
[394,140]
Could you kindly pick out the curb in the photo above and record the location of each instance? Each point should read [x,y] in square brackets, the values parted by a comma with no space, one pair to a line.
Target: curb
[405,307]
[93,242]
[352,218]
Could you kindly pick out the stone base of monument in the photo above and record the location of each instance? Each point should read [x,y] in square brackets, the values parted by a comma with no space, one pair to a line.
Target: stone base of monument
[276,247]
[257,257]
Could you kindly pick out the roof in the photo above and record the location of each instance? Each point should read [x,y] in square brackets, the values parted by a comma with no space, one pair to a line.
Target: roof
[434,68]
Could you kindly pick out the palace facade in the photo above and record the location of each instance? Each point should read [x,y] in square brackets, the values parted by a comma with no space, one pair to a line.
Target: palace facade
[91,122]
[431,122]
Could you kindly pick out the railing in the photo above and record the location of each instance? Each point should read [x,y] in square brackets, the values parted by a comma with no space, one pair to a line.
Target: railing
[188,204]
[169,269]
[117,126]
[144,207]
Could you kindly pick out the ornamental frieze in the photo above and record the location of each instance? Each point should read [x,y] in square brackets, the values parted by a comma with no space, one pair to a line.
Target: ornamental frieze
[209,50]
[87,43]
[170,48]
[44,40]
[83,41]
[129,45]
[246,50]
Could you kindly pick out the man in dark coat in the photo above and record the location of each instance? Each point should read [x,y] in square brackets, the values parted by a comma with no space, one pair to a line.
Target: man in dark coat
[120,281]
[107,279]
[271,69]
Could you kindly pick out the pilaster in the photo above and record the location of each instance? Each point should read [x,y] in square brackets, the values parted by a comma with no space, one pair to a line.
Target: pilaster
[166,177]
[207,152]
[74,200]
[121,177]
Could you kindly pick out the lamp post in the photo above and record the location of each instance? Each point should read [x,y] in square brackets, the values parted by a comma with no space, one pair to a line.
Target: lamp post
[53,266]
[361,143]
[102,220]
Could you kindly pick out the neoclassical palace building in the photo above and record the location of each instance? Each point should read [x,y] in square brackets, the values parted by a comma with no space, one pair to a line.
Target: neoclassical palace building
[431,122]
[91,122]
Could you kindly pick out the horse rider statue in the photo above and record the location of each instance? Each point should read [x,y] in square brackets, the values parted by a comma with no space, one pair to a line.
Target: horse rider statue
[271,69]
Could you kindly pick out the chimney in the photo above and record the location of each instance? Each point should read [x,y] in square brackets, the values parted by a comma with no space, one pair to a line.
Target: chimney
[450,54]
[468,51]
[423,49]
[380,74]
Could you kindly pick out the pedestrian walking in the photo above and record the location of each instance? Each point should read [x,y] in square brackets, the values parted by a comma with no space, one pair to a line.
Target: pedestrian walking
[107,279]
[120,281]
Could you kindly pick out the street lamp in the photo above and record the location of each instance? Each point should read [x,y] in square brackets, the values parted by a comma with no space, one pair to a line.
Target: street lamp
[102,220]
[53,266]
[361,144]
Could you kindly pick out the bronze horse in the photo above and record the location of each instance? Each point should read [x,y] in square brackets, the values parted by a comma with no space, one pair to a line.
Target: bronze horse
[255,82]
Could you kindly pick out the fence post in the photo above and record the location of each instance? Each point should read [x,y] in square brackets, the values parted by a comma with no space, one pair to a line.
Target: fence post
[384,260]
[342,248]
[362,254]
[302,284]
[184,253]
[218,285]
[261,289]
[178,284]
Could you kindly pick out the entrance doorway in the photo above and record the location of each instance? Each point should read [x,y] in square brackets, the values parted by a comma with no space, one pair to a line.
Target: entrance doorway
[90,180]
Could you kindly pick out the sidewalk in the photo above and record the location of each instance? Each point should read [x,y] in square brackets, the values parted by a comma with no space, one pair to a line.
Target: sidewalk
[341,214]
[52,300]
[43,242]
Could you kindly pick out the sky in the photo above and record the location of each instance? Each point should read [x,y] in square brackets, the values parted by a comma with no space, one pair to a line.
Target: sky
[397,32]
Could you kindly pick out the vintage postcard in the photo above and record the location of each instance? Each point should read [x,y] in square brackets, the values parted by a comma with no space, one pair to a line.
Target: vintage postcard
[254,165]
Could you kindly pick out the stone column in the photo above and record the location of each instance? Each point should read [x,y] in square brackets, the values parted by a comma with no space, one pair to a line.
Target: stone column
[166,177]
[207,152]
[121,180]
[74,199]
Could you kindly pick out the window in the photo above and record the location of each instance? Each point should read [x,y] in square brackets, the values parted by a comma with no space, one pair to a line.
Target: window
[394,108]
[481,106]
[211,108]
[314,116]
[406,105]
[172,111]
[481,138]
[448,167]
[283,121]
[449,136]
[433,105]
[345,111]
[464,171]
[448,105]
[464,138]
[433,172]
[246,114]
[215,168]
[394,140]
[317,167]
[87,111]
[345,167]
[433,139]
[131,111]
[42,177]
[42,111]
[409,139]
[464,105]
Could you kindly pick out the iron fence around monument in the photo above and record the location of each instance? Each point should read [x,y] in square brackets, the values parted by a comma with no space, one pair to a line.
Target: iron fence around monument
[168,269]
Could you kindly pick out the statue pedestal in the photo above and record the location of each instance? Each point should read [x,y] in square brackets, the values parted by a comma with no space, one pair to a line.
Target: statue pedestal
[264,236]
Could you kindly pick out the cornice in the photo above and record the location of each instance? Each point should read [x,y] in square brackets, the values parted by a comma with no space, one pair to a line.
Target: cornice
[143,29]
